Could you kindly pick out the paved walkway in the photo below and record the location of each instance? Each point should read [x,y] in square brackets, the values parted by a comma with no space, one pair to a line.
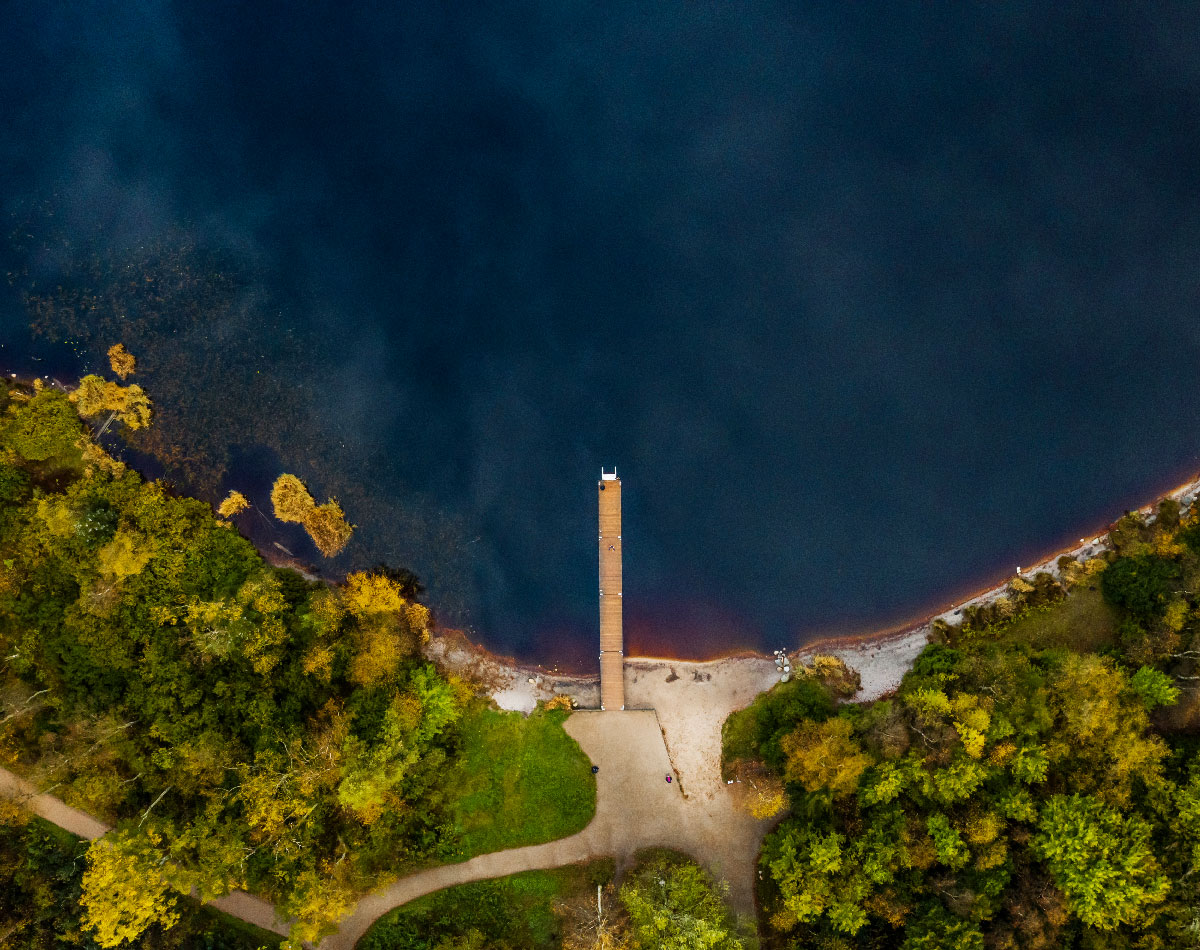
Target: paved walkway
[635,806]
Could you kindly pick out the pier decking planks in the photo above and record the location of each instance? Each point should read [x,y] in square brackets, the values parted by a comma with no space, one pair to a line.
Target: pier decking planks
[612,637]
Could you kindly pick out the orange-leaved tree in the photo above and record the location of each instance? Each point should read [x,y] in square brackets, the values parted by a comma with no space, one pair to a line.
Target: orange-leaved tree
[121,360]
[234,503]
[97,395]
[326,524]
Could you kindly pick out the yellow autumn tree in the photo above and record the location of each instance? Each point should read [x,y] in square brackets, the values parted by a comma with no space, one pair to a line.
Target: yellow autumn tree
[1103,730]
[389,628]
[250,624]
[121,360]
[326,524]
[265,604]
[124,888]
[216,626]
[129,404]
[762,793]
[378,650]
[96,460]
[824,755]
[234,503]
[291,499]
[328,610]
[833,672]
[125,555]
[368,594]
[318,900]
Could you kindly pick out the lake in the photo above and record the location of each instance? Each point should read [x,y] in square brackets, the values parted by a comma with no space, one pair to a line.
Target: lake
[867,305]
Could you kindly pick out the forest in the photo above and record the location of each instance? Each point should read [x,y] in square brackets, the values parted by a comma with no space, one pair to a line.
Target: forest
[240,725]
[1032,784]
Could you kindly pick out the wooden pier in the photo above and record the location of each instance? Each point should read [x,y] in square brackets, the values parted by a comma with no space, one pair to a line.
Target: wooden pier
[612,636]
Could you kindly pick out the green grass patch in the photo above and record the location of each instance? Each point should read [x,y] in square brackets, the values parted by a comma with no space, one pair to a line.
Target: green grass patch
[1082,622]
[508,913]
[233,931]
[739,735]
[518,781]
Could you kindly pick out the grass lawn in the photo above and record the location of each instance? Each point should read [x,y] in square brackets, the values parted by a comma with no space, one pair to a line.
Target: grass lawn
[232,931]
[509,912]
[739,735]
[1082,622]
[518,781]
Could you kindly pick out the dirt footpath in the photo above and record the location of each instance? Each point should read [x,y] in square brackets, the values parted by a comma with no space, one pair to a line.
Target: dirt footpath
[237,904]
[636,808]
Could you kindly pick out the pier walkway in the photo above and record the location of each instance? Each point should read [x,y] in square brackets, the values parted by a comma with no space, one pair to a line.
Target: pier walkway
[612,635]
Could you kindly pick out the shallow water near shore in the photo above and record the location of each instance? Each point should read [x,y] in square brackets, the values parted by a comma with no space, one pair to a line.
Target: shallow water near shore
[867,308]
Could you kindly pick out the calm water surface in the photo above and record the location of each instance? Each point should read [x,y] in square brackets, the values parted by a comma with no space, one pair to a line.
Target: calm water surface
[867,305]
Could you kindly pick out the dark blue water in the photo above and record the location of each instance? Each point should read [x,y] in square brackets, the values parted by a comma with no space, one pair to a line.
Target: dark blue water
[868,305]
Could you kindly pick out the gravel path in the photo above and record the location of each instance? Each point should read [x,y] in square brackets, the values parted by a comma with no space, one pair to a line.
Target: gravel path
[237,904]
[676,732]
[635,808]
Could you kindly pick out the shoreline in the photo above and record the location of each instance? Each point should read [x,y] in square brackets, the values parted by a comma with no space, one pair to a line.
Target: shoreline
[843,645]
[880,657]
[1185,492]
[872,639]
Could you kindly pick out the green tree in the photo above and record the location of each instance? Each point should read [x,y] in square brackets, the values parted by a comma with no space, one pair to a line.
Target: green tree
[45,427]
[1153,688]
[826,874]
[675,906]
[1143,585]
[939,930]
[1101,860]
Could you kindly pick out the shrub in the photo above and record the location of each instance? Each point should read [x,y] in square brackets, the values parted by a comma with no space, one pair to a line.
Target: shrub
[1143,585]
[45,427]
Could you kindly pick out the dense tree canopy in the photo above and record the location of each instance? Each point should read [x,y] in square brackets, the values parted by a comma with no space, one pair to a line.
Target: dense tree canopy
[1020,790]
[242,727]
[42,880]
